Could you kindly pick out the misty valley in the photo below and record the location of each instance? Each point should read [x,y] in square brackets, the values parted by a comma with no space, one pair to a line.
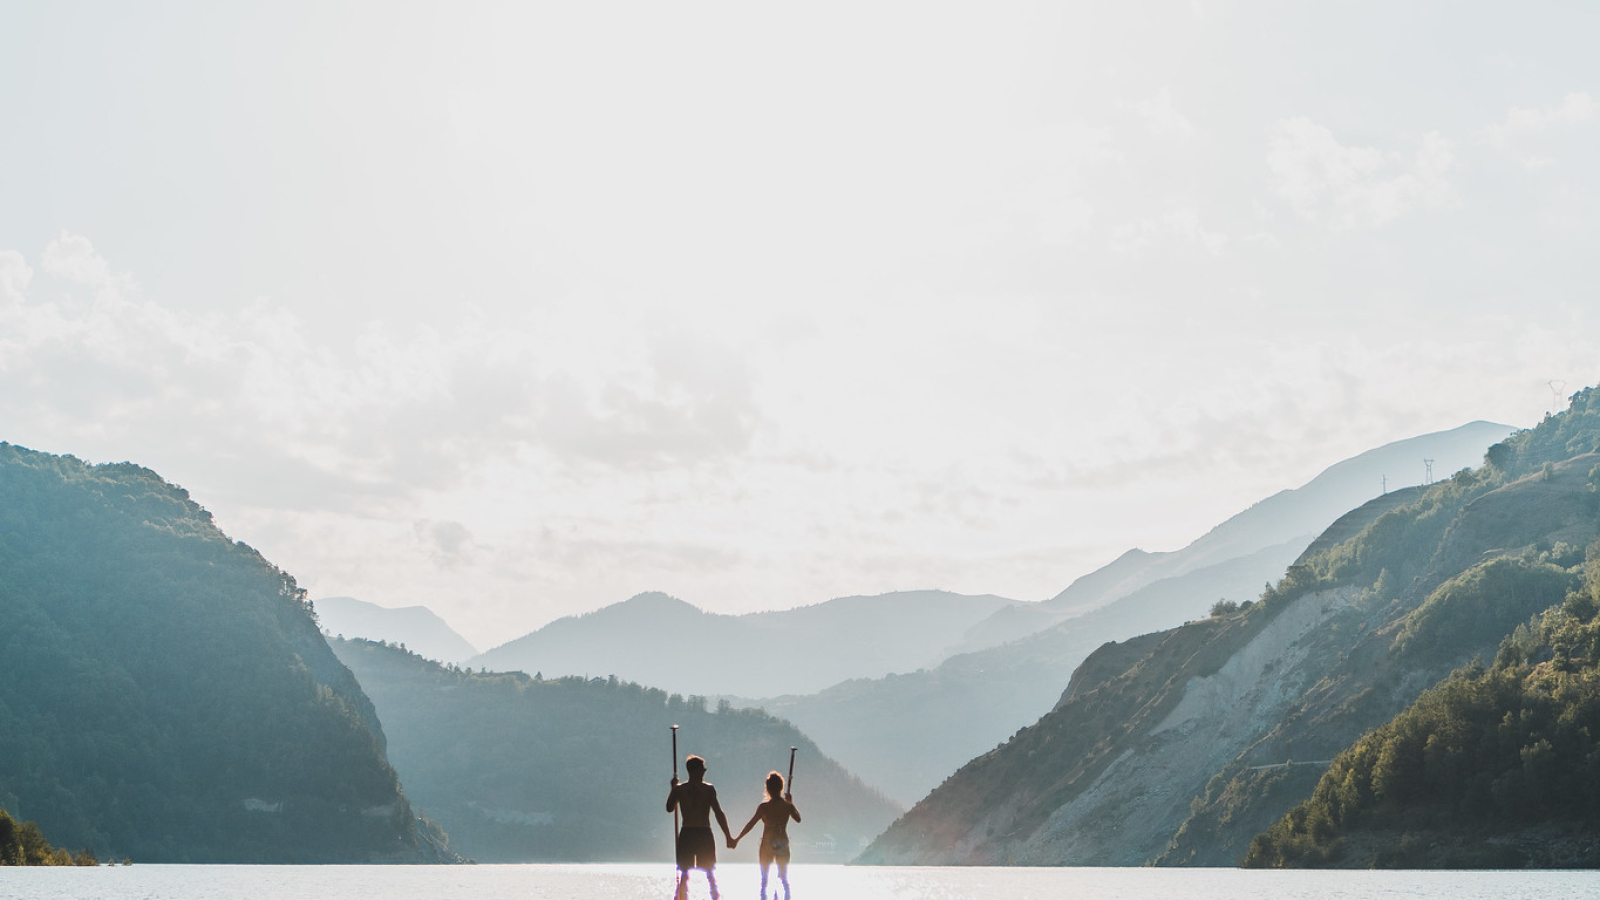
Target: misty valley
[1338,676]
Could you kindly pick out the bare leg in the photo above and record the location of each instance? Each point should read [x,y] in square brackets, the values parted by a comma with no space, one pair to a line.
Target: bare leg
[711,878]
[783,876]
[683,884]
[766,864]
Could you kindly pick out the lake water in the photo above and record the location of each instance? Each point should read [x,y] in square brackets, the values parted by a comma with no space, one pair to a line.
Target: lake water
[740,882]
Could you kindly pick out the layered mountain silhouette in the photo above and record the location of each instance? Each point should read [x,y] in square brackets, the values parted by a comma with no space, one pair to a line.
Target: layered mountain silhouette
[850,637]
[168,694]
[907,732]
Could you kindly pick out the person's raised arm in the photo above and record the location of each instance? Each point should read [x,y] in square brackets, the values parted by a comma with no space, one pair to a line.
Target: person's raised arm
[794,811]
[672,796]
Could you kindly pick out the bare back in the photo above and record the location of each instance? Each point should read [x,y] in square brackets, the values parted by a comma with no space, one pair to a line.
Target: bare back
[697,800]
[775,815]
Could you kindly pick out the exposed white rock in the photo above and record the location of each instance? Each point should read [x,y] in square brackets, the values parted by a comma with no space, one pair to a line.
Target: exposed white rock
[1130,812]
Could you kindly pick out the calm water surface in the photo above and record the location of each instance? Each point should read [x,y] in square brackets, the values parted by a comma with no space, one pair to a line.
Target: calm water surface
[740,882]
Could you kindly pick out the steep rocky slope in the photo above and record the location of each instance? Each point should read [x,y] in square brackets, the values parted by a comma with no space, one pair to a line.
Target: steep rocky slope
[1179,747]
[907,732]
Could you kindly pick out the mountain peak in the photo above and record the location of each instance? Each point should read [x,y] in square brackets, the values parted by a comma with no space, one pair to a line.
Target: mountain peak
[653,600]
[419,628]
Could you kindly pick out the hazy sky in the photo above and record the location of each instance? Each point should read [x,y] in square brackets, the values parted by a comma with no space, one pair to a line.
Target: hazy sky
[518,309]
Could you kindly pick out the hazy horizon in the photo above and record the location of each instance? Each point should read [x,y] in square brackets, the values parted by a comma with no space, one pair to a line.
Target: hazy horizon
[516,311]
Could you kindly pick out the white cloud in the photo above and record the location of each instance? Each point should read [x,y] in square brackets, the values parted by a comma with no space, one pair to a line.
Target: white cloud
[1574,109]
[449,544]
[73,258]
[1179,229]
[15,275]
[1357,187]
[1163,120]
[689,401]
[371,421]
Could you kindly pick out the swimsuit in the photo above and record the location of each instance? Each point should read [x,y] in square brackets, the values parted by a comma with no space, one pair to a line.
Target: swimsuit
[697,848]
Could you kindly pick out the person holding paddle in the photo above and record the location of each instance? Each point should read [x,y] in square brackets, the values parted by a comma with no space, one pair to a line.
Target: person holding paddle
[774,815]
[697,845]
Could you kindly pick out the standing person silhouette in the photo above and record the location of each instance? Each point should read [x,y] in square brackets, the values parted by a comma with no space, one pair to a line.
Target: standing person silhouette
[697,845]
[774,816]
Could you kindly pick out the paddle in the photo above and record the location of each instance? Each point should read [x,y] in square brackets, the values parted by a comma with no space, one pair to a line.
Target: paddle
[675,808]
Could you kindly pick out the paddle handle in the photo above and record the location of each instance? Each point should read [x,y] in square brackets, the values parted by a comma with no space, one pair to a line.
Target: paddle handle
[674,778]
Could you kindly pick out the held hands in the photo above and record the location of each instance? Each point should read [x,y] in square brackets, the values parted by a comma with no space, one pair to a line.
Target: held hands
[733,843]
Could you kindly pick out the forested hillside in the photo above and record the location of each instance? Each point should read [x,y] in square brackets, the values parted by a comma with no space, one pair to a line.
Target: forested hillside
[518,768]
[165,694]
[23,844]
[1180,747]
[1495,767]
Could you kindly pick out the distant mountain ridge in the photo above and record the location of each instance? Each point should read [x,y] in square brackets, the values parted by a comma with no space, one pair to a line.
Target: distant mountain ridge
[841,641]
[1292,513]
[418,628]
[849,637]
[906,733]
